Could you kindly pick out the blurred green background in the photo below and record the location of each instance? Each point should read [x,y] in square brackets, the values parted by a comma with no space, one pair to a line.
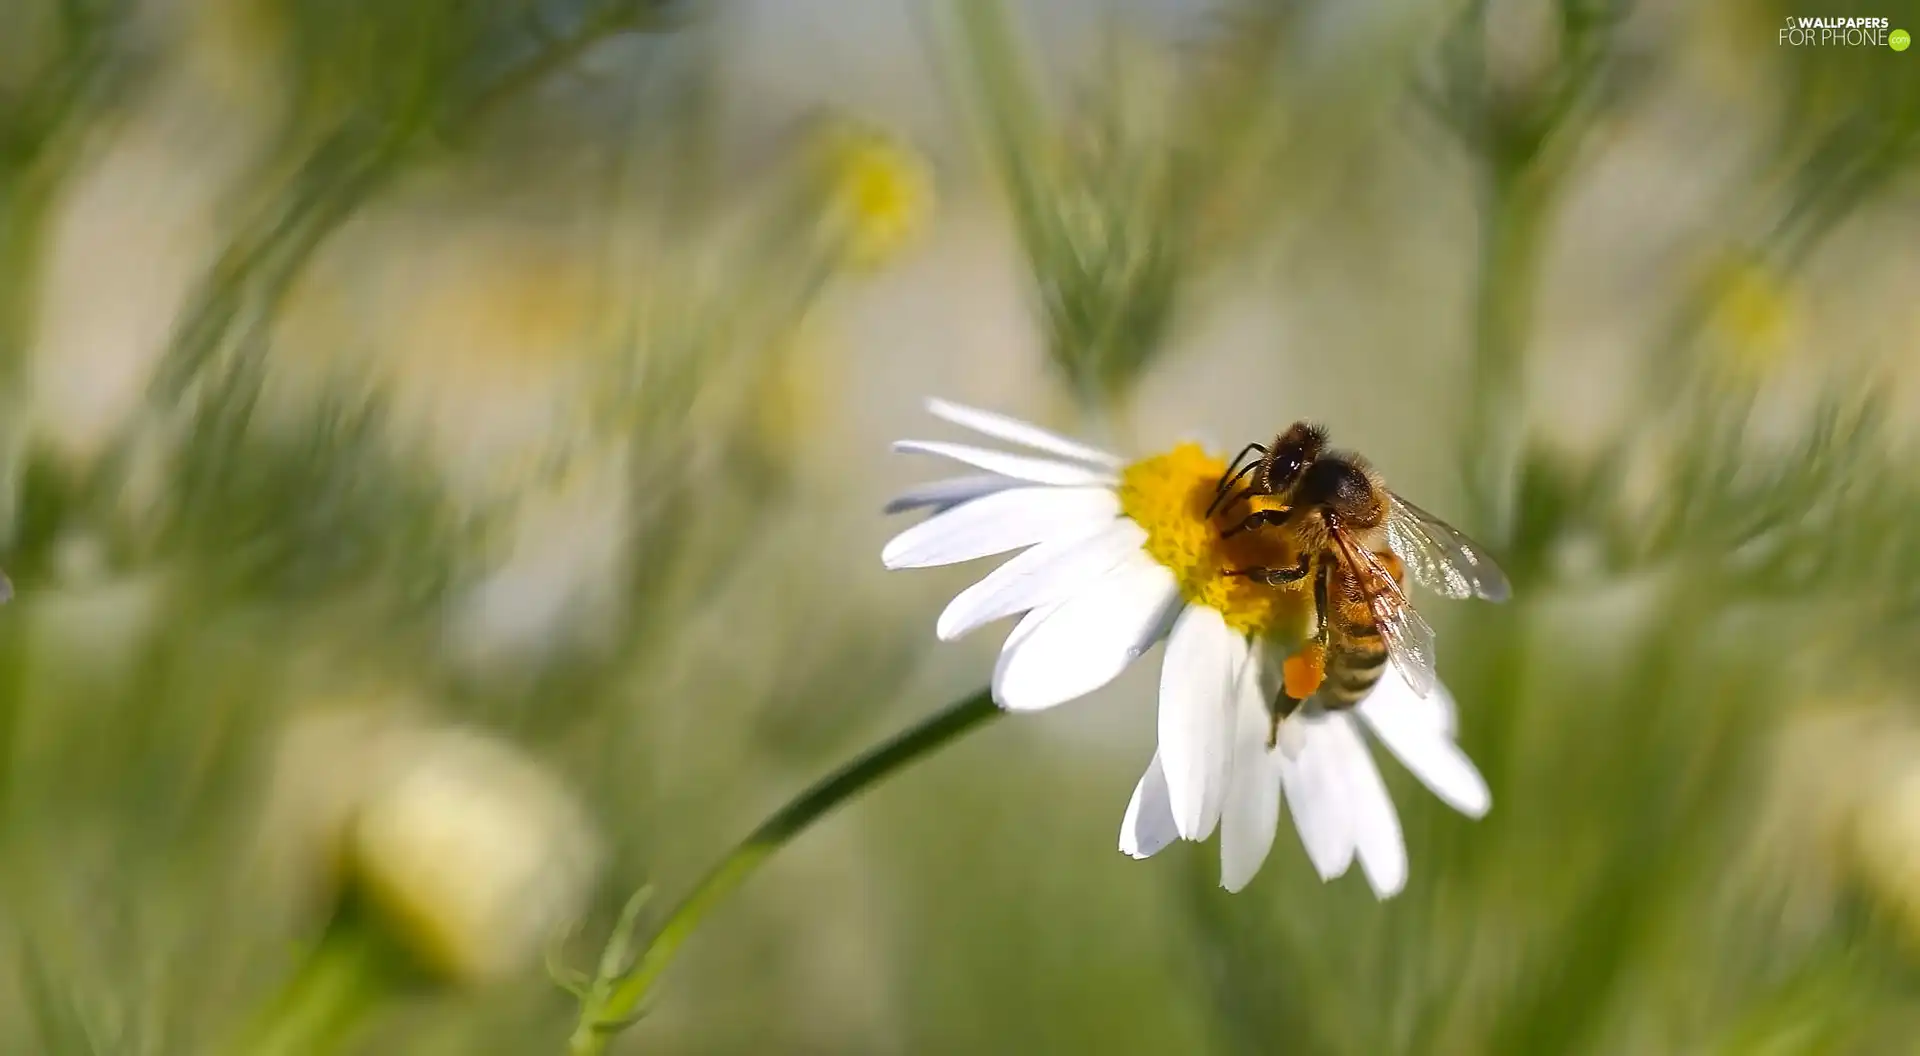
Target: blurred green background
[529,366]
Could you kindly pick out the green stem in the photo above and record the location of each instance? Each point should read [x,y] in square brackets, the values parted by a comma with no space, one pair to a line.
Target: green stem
[343,978]
[611,1004]
[1512,225]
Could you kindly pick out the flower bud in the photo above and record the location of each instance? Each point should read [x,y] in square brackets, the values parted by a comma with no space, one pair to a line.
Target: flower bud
[467,852]
[1844,808]
[1523,45]
[1885,844]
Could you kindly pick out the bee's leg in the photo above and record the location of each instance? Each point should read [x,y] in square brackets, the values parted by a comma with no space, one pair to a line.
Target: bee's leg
[1277,713]
[1300,679]
[1234,472]
[1227,499]
[1320,602]
[1309,666]
[1256,520]
[1275,577]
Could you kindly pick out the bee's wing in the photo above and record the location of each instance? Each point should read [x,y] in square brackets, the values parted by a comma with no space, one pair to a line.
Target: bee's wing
[1408,637]
[6,589]
[1409,640]
[1439,557]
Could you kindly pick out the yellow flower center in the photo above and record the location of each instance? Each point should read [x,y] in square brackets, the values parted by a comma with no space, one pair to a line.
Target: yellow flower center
[1168,495]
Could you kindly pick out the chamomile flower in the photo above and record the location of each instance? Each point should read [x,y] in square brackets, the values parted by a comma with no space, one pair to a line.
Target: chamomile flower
[1114,557]
[1321,767]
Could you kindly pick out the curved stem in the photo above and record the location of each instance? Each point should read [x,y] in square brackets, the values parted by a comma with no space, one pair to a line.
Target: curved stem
[611,1004]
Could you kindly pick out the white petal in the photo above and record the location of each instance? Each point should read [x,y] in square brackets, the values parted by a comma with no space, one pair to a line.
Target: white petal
[1435,711]
[1014,431]
[1252,810]
[1405,727]
[945,494]
[1316,794]
[1023,467]
[1046,573]
[1199,687]
[1074,647]
[1148,825]
[1006,520]
[1291,738]
[1376,826]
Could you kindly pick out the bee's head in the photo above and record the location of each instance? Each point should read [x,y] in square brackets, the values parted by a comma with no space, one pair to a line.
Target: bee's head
[1339,484]
[1293,451]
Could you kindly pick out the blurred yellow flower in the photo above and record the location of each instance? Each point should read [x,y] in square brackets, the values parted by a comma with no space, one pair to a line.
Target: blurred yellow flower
[1752,314]
[880,194]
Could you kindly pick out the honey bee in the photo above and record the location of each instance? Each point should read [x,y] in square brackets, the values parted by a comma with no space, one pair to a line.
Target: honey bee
[1358,541]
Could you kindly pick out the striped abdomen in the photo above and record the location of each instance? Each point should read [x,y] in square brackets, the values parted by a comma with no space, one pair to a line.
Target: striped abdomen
[1356,651]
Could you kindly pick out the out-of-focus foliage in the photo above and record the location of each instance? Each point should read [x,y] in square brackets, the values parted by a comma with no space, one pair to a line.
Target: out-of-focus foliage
[1610,902]
[220,567]
[1685,587]
[1696,717]
[370,87]
[1844,131]
[60,65]
[1155,172]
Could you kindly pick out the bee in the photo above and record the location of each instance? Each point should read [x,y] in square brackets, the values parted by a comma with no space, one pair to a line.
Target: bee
[1358,540]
